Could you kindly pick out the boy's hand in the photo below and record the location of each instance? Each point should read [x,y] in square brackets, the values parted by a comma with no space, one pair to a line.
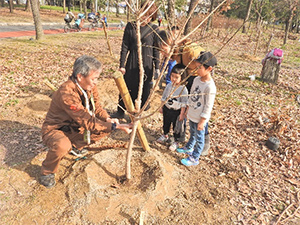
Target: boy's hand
[201,124]
[182,116]
[160,110]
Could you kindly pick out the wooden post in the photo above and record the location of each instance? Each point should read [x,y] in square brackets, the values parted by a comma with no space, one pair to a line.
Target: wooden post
[118,77]
[106,36]
[270,71]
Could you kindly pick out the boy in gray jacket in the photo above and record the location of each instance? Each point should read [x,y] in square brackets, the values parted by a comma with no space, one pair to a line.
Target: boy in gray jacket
[173,110]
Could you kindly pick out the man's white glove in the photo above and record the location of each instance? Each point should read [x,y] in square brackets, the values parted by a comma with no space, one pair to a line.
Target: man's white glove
[156,74]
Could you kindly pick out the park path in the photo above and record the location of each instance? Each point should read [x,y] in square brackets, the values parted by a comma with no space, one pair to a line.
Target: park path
[11,34]
[6,33]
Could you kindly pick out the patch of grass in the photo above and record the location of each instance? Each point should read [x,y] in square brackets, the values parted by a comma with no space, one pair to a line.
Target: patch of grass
[238,102]
[11,102]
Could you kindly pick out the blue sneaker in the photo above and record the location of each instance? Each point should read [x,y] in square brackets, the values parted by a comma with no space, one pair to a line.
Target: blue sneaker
[184,150]
[190,161]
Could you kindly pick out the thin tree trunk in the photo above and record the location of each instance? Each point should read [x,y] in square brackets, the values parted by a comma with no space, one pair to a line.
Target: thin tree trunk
[28,6]
[128,11]
[171,12]
[11,6]
[209,20]
[247,15]
[84,7]
[117,8]
[37,20]
[188,26]
[288,24]
[64,6]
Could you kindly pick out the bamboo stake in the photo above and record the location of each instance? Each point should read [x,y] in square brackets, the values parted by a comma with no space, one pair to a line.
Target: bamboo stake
[106,36]
[118,77]
[47,82]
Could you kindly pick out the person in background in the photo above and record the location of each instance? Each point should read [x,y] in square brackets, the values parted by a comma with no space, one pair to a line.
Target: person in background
[75,118]
[104,18]
[129,65]
[69,17]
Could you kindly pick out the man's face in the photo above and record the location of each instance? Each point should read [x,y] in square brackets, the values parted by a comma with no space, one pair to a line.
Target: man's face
[89,82]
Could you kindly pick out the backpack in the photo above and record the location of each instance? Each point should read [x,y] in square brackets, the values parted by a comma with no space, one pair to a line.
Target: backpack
[67,16]
[275,53]
[187,53]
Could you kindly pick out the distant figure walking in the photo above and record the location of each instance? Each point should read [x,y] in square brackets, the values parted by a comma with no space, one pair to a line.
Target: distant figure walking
[104,18]
[159,19]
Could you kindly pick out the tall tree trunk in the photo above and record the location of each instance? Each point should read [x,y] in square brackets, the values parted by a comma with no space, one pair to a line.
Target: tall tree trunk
[128,11]
[84,7]
[247,15]
[171,12]
[117,8]
[288,23]
[188,26]
[11,6]
[209,21]
[64,6]
[28,6]
[37,20]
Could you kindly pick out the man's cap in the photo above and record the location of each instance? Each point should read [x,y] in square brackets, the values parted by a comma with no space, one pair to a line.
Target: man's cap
[207,58]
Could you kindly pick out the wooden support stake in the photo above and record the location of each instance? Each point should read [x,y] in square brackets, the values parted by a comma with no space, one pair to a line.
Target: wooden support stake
[106,36]
[118,77]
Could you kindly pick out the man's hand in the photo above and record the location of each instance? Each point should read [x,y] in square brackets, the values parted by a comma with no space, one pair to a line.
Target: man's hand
[113,120]
[156,74]
[122,70]
[127,128]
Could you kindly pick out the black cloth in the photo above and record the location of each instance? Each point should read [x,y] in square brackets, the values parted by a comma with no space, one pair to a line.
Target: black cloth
[169,118]
[129,56]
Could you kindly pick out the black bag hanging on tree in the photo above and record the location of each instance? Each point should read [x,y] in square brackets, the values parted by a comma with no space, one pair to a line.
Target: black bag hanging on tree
[273,143]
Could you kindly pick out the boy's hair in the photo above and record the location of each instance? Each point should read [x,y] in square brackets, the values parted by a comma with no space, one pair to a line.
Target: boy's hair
[179,69]
[207,59]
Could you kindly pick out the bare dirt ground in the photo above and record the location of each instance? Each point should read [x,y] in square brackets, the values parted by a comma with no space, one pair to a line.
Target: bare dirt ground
[241,181]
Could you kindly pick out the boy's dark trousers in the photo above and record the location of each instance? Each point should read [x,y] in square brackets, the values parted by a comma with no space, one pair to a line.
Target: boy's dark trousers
[169,118]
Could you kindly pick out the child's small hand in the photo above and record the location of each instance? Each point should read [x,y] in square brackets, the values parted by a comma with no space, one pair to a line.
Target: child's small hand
[201,125]
[160,110]
[182,117]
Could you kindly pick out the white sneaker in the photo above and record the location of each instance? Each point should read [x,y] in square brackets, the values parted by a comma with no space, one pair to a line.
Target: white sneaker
[162,139]
[173,146]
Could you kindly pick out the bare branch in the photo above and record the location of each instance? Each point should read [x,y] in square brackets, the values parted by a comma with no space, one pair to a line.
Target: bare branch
[212,12]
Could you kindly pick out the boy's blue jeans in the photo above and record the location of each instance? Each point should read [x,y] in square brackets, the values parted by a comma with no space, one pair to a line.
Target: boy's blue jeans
[196,140]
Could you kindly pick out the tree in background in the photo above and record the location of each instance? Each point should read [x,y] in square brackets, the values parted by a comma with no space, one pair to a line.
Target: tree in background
[292,6]
[37,20]
[28,6]
[188,26]
[11,6]
[171,12]
[247,15]
[209,21]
